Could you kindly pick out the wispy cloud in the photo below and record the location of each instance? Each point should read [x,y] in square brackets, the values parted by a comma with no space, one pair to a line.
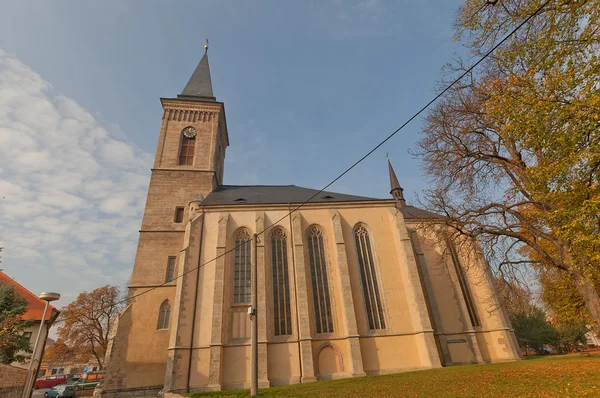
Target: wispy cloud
[342,19]
[71,193]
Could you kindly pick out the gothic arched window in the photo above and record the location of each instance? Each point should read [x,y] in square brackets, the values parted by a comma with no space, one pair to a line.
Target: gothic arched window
[242,268]
[281,287]
[368,277]
[320,283]
[188,144]
[163,315]
[464,286]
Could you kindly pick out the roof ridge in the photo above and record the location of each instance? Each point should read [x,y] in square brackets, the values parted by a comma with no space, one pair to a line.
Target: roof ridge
[27,291]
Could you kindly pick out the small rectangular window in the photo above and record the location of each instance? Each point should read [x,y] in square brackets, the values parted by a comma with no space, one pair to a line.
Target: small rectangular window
[171,268]
[179,214]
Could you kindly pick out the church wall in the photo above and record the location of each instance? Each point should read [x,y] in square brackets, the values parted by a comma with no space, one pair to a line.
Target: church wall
[445,295]
[394,301]
[153,252]
[493,340]
[322,218]
[200,367]
[236,367]
[146,351]
[390,354]
[283,364]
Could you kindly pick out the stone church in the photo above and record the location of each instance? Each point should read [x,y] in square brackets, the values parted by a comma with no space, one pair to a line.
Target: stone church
[348,285]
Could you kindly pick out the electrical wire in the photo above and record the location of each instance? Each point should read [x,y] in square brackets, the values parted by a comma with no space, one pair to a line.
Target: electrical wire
[414,116]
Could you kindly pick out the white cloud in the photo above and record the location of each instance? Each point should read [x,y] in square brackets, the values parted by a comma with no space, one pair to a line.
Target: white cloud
[71,192]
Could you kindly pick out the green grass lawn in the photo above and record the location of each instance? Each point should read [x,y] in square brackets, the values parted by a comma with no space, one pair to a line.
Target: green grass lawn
[555,376]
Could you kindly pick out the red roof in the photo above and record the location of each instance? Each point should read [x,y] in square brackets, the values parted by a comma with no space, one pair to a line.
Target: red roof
[35,306]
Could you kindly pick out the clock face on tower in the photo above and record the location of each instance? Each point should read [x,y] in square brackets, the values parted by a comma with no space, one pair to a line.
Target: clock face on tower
[189,132]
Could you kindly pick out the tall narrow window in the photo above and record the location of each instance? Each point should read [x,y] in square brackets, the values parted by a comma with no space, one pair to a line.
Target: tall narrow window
[178,215]
[241,278]
[164,315]
[281,287]
[464,287]
[170,269]
[188,144]
[320,284]
[368,277]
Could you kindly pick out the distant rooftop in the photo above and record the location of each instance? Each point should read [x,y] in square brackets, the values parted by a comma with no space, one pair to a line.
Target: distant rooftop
[35,306]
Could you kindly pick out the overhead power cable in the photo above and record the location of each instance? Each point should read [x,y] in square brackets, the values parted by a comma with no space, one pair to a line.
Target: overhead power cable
[413,117]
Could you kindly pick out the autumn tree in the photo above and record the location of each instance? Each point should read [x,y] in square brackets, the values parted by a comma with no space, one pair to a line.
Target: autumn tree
[12,325]
[533,329]
[513,150]
[516,299]
[86,323]
[562,298]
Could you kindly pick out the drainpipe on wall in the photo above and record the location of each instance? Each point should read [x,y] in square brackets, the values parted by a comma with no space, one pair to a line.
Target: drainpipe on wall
[295,289]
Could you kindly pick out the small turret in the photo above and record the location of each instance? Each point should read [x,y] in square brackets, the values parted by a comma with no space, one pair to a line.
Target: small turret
[396,189]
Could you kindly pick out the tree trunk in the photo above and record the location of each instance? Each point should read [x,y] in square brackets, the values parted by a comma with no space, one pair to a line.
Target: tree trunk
[590,293]
[98,360]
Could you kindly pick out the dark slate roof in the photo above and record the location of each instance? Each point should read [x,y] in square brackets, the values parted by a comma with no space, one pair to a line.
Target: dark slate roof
[273,194]
[200,85]
[280,194]
[411,212]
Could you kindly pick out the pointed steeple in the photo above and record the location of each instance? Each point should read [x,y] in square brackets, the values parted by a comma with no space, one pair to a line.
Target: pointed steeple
[199,86]
[396,189]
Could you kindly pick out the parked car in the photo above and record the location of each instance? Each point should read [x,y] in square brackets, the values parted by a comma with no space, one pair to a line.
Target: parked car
[61,391]
[51,381]
[97,390]
[76,376]
[88,380]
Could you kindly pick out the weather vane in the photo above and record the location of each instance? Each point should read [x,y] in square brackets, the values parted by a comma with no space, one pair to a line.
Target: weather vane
[206,47]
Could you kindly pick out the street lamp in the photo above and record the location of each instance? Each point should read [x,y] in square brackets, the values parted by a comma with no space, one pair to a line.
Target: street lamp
[30,379]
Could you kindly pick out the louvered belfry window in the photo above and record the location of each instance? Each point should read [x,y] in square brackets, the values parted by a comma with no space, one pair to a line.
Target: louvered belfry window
[242,268]
[186,153]
[320,283]
[368,278]
[282,319]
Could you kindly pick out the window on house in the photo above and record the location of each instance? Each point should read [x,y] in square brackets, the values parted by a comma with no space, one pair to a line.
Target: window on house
[171,268]
[27,337]
[188,144]
[464,287]
[163,315]
[241,278]
[179,214]
[282,320]
[368,278]
[320,284]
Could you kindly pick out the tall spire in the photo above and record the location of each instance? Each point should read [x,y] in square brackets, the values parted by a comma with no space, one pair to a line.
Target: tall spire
[396,189]
[200,86]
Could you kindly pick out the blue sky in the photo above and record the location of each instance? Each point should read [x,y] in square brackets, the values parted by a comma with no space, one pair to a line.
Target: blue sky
[308,88]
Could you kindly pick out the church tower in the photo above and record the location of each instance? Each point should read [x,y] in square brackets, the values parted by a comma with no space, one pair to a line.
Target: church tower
[190,153]
[189,161]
